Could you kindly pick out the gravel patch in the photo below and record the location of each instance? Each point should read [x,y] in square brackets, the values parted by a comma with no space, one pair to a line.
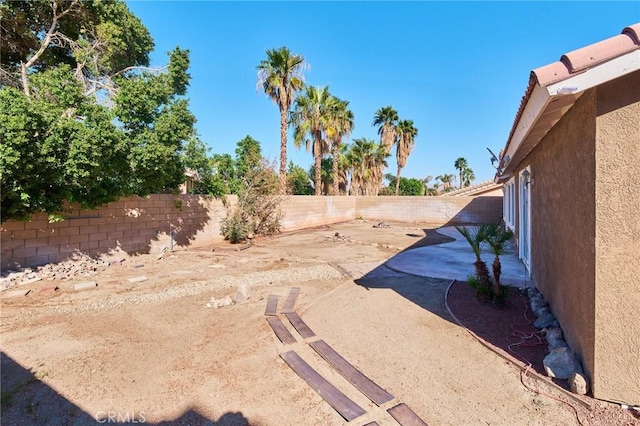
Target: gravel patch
[298,274]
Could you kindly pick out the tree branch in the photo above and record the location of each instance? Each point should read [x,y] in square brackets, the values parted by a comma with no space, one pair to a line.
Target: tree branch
[43,46]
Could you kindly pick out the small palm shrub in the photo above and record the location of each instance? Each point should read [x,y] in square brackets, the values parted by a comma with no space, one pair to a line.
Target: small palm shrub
[496,236]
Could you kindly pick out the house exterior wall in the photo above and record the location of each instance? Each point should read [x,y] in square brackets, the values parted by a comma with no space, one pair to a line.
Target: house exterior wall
[563,223]
[141,224]
[617,267]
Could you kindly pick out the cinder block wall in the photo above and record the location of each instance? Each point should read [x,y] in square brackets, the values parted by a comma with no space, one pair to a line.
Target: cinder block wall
[131,226]
[143,224]
[436,210]
[301,211]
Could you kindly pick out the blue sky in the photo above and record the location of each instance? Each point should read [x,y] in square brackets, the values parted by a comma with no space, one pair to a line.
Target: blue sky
[457,69]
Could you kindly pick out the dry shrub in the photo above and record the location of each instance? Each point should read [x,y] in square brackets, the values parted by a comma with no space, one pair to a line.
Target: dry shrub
[258,210]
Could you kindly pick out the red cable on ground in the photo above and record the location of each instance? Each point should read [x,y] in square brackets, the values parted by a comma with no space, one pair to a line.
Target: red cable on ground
[523,373]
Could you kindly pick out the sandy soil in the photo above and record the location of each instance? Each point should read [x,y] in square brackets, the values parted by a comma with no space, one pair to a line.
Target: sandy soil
[153,352]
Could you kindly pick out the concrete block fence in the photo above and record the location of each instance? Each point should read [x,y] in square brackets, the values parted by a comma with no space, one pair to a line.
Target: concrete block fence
[151,224]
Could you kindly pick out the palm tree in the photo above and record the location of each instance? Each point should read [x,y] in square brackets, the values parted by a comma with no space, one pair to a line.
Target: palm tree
[468,176]
[341,123]
[460,165]
[310,116]
[406,134]
[476,236]
[497,237]
[386,118]
[446,180]
[280,76]
[425,182]
[367,160]
[344,168]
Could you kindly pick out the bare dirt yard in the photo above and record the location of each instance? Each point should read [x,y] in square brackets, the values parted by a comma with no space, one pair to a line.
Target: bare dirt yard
[152,352]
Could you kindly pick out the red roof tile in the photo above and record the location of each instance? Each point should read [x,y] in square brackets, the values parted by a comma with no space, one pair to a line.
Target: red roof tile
[578,61]
[586,57]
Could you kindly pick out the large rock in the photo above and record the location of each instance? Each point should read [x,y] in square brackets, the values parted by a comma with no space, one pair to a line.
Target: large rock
[554,338]
[242,294]
[537,303]
[561,363]
[545,319]
[578,384]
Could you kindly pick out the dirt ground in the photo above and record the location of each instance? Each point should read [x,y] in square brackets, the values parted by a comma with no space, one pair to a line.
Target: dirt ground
[153,352]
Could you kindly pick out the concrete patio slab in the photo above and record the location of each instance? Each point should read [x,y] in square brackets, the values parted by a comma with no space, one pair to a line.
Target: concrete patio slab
[454,260]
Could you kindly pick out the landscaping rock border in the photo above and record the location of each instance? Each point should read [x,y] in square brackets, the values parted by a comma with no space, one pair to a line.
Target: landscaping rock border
[561,362]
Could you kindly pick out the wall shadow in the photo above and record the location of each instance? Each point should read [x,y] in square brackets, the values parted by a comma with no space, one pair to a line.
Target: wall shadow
[479,210]
[129,227]
[28,400]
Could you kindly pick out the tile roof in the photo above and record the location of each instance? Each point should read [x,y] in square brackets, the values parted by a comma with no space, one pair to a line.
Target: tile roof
[586,57]
[476,189]
[576,62]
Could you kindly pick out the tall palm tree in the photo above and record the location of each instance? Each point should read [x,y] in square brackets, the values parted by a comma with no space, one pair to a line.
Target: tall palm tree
[468,176]
[406,134]
[344,168]
[341,123]
[461,165]
[386,119]
[446,180]
[367,159]
[425,182]
[310,117]
[377,163]
[280,76]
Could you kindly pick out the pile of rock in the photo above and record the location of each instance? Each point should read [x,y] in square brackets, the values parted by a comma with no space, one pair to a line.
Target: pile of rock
[337,238]
[83,266]
[242,295]
[561,362]
[382,225]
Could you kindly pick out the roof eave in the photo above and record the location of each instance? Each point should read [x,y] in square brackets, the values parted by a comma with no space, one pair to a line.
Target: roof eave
[546,105]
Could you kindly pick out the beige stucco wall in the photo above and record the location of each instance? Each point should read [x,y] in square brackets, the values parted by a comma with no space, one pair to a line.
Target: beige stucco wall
[563,223]
[617,269]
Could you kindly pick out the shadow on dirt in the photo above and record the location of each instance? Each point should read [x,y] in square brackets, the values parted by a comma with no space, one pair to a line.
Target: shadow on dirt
[27,399]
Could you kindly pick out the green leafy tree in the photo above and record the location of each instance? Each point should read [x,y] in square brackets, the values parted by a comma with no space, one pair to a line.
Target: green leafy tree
[280,76]
[156,121]
[298,181]
[407,186]
[224,176]
[461,165]
[195,157]
[248,155]
[82,106]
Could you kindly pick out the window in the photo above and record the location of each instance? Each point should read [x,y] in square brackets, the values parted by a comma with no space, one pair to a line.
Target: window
[509,204]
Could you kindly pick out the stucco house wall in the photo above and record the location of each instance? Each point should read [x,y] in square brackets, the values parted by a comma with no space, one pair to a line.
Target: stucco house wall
[563,223]
[585,229]
[617,268]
